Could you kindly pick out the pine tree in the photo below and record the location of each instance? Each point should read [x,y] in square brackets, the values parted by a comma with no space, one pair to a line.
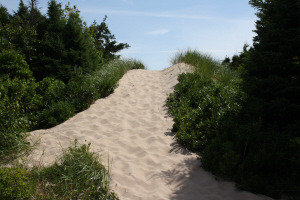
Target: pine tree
[4,16]
[22,11]
[272,75]
[64,45]
[271,80]
[105,42]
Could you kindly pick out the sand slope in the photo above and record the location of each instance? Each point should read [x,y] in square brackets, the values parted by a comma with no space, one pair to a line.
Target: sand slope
[132,126]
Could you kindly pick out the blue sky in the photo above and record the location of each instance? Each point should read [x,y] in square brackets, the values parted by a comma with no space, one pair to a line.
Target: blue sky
[157,29]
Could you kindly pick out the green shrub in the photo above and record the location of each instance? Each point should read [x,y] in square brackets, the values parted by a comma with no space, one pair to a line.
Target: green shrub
[17,100]
[51,90]
[13,65]
[57,113]
[198,105]
[16,183]
[215,116]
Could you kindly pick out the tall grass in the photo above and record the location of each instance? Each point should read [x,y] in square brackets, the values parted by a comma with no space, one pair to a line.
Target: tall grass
[78,173]
[205,65]
[105,80]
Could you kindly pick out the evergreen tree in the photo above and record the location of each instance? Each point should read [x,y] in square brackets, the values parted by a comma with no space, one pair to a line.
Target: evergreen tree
[259,147]
[271,80]
[22,12]
[272,75]
[63,45]
[237,61]
[4,16]
[105,42]
[35,14]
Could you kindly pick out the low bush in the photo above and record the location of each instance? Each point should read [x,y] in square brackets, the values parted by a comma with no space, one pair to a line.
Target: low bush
[16,183]
[17,99]
[198,106]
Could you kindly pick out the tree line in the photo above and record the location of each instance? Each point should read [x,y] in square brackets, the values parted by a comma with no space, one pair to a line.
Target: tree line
[247,129]
[269,123]
[51,67]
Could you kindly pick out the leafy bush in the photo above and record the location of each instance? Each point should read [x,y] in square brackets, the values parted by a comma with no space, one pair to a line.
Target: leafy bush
[13,117]
[13,65]
[57,113]
[16,183]
[17,99]
[215,116]
[198,106]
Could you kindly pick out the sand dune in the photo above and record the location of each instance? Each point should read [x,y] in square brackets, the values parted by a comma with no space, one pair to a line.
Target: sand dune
[133,128]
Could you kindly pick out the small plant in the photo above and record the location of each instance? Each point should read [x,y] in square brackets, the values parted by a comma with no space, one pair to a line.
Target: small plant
[16,183]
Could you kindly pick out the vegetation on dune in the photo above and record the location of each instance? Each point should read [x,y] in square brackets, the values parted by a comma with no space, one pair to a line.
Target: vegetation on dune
[246,126]
[241,115]
[51,67]
[76,174]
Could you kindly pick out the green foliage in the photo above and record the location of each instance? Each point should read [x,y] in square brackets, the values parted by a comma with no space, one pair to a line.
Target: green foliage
[214,116]
[256,144]
[51,90]
[202,62]
[237,62]
[66,58]
[59,101]
[78,173]
[22,11]
[271,80]
[17,99]
[16,183]
[55,114]
[13,65]
[19,36]
[63,45]
[104,41]
[105,80]
[4,16]
[198,106]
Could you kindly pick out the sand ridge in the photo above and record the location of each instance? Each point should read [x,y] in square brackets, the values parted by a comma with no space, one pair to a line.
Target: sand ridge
[133,128]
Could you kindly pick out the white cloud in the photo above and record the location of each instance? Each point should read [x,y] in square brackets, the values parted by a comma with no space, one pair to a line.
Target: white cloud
[158,32]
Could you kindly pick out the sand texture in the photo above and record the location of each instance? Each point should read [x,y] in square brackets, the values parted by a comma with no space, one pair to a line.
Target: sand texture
[132,127]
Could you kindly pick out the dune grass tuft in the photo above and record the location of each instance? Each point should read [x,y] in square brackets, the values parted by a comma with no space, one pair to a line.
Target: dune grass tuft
[205,65]
[77,173]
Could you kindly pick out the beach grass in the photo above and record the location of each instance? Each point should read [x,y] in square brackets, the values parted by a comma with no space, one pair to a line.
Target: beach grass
[78,173]
[205,65]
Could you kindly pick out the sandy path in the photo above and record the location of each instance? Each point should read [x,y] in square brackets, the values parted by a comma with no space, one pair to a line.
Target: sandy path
[132,126]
